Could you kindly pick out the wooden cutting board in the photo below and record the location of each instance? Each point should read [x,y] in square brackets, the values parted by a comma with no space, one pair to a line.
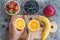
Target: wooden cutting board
[36,35]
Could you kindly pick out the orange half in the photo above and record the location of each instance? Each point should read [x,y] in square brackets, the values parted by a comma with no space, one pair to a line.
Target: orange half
[34,25]
[19,23]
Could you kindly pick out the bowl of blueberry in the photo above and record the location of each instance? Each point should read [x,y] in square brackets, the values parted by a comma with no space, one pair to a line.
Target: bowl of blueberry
[31,7]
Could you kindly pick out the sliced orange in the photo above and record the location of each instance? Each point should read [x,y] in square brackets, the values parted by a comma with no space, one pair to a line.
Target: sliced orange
[19,23]
[34,25]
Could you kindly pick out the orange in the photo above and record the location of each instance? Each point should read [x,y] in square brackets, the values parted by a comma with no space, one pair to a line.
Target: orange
[19,23]
[34,25]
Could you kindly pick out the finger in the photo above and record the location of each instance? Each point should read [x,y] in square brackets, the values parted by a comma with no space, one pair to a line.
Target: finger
[13,26]
[10,32]
[20,32]
[10,26]
[30,37]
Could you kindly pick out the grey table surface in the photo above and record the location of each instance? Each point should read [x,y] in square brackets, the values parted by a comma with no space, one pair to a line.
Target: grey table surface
[4,18]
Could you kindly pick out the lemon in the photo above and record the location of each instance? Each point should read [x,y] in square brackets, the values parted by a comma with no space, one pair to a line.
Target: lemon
[19,23]
[34,25]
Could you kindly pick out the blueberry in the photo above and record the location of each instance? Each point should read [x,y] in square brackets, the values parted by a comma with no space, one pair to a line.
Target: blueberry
[35,4]
[34,10]
[30,19]
[5,20]
[3,26]
[35,7]
[27,4]
[28,11]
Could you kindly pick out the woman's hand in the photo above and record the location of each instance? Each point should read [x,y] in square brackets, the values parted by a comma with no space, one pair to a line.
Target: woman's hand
[14,34]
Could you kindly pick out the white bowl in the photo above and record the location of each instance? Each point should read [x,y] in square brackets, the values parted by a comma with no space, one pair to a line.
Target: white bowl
[16,12]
